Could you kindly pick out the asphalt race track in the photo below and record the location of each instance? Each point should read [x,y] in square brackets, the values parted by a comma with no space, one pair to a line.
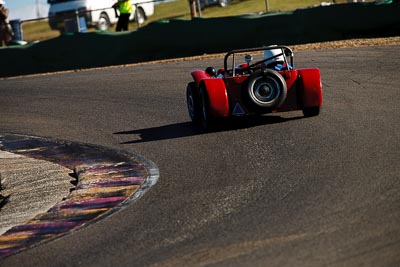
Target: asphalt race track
[280,190]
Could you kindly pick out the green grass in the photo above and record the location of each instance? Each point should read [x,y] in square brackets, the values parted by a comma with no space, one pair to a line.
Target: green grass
[40,30]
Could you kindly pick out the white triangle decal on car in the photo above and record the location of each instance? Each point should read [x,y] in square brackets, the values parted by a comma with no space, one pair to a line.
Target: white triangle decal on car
[238,110]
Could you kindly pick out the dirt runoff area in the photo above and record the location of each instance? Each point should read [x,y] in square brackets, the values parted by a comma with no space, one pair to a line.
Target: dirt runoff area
[384,41]
[349,43]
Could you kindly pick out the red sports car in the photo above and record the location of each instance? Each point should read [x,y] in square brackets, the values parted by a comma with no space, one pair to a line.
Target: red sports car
[267,82]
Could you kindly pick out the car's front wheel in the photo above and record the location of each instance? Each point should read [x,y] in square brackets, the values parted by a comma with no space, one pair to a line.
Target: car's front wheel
[193,103]
[207,120]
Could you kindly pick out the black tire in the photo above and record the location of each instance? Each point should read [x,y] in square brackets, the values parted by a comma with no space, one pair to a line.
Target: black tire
[311,111]
[193,103]
[141,16]
[206,119]
[267,89]
[104,22]
[202,4]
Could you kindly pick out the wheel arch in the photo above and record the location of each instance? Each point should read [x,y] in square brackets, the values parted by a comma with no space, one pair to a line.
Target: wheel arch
[217,96]
[107,18]
[199,75]
[140,11]
[310,82]
[143,12]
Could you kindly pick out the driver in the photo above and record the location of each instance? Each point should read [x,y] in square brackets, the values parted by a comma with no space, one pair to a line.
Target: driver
[276,59]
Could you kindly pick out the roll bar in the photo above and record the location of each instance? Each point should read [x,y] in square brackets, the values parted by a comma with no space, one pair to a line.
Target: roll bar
[286,51]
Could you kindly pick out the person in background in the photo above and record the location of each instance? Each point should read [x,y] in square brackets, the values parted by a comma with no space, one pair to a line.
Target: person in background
[6,33]
[125,10]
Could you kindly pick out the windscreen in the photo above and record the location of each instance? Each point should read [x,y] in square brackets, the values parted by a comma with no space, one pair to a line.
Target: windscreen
[240,58]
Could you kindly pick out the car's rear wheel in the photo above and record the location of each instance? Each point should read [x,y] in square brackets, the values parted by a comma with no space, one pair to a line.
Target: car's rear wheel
[311,111]
[267,89]
[104,22]
[193,103]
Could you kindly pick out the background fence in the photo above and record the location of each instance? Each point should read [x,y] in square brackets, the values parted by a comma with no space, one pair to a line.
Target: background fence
[38,29]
